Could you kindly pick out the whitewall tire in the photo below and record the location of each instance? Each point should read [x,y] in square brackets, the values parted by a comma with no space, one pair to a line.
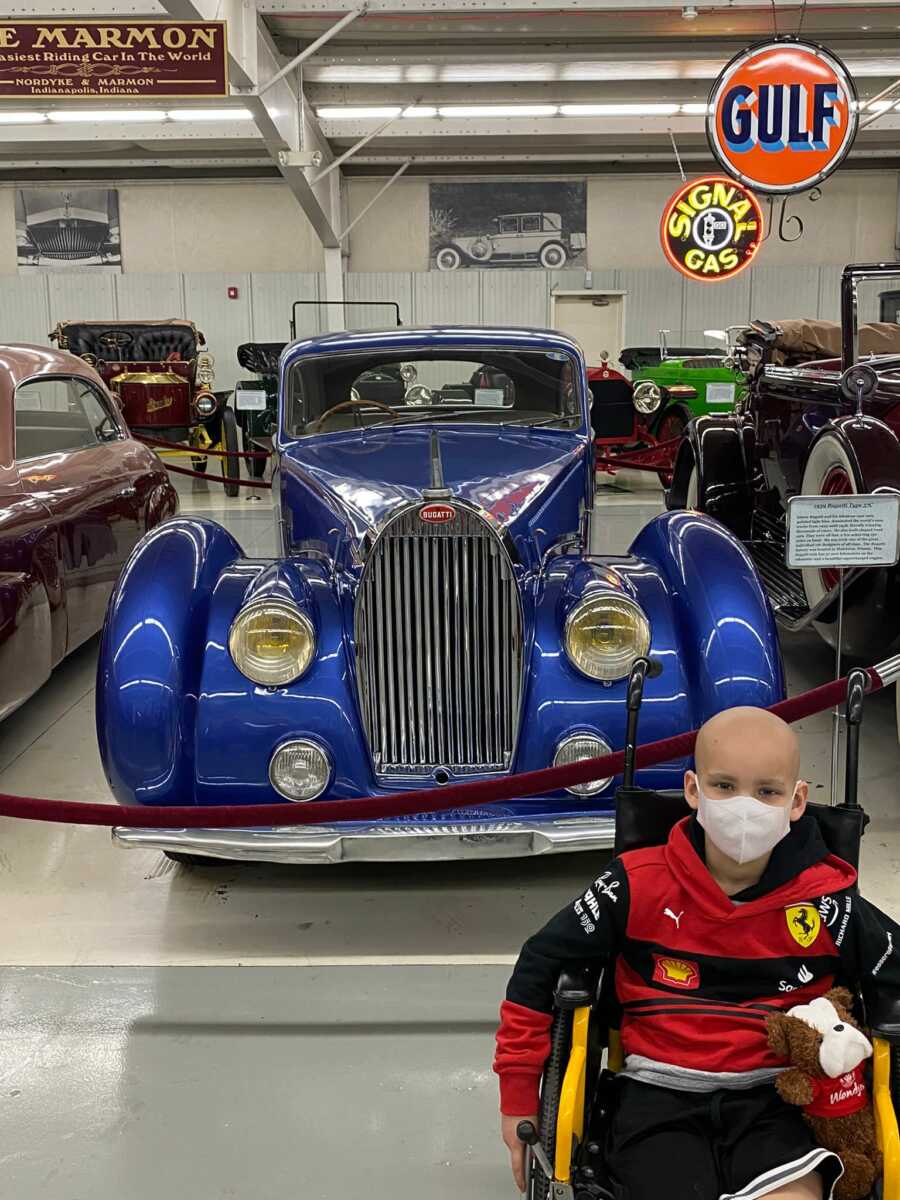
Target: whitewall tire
[553,256]
[692,496]
[828,472]
[447,258]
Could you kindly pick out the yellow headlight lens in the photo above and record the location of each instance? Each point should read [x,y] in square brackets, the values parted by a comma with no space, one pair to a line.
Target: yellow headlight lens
[272,643]
[604,635]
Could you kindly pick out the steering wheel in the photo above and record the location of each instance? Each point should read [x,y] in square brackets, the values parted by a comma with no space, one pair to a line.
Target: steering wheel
[319,422]
[116,339]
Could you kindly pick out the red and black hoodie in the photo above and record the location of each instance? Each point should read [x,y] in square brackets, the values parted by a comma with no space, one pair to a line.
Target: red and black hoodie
[697,971]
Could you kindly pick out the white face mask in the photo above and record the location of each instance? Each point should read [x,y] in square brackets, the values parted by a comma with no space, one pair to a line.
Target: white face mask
[742,827]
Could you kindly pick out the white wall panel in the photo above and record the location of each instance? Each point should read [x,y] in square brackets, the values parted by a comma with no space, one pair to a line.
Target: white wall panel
[148,297]
[24,310]
[511,297]
[714,306]
[81,295]
[653,302]
[447,298]
[780,292]
[375,286]
[830,292]
[226,323]
[272,294]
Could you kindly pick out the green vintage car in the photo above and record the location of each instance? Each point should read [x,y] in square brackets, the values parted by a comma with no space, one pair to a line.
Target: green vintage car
[673,385]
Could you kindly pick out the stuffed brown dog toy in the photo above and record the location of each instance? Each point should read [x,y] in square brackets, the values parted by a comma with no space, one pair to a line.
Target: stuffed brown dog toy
[826,1051]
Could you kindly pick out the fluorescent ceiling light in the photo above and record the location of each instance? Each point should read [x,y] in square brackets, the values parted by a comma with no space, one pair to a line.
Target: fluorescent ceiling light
[349,113]
[210,114]
[880,105]
[420,110]
[83,115]
[619,110]
[499,110]
[698,110]
[22,118]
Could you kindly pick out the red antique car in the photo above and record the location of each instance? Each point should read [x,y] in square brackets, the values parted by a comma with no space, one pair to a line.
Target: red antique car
[76,495]
[622,435]
[162,375]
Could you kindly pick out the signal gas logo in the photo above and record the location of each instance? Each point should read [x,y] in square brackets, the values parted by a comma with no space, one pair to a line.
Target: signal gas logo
[711,229]
[782,116]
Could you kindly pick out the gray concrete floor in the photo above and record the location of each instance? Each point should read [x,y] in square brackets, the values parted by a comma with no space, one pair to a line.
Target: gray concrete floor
[141,1057]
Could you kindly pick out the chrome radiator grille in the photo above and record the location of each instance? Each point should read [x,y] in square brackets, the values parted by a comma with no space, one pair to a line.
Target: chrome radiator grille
[69,240]
[439,647]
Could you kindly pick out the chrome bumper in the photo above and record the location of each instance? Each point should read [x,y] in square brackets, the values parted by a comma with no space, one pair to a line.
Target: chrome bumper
[419,842]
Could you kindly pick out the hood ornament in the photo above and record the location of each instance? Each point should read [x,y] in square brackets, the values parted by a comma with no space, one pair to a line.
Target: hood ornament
[437,490]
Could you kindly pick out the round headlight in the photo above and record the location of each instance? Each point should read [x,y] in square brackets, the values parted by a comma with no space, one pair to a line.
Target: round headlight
[604,635]
[300,770]
[205,404]
[647,396]
[577,748]
[271,642]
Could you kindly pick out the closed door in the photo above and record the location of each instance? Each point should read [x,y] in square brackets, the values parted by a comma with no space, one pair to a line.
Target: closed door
[595,321]
[72,454]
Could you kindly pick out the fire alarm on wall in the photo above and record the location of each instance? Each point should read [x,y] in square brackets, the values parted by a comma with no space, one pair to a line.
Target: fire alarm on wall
[232,293]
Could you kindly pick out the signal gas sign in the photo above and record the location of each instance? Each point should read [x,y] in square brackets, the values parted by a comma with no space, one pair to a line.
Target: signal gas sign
[782,116]
[711,228]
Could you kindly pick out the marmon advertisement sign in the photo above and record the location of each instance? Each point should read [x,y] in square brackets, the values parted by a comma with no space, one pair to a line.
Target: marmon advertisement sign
[782,116]
[711,228]
[94,59]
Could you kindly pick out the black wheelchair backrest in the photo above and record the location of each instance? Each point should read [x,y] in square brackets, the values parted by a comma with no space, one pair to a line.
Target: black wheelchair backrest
[645,818]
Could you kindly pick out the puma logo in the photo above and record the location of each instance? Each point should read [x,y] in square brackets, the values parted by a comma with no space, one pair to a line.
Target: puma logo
[675,917]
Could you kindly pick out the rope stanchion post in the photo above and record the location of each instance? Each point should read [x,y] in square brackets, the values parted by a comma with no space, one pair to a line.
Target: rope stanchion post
[426,800]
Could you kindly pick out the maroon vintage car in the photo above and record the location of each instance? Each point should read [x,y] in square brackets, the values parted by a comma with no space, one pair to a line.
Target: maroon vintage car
[76,493]
[162,374]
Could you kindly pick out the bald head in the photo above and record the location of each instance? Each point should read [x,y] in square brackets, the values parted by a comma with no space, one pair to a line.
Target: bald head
[742,738]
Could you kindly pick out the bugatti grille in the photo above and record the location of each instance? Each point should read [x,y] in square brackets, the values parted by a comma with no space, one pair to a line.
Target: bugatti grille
[439,646]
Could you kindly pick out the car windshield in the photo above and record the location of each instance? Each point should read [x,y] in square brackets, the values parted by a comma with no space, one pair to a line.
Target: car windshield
[333,392]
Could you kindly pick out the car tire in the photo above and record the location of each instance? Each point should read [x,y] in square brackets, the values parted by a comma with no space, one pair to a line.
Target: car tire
[553,256]
[231,467]
[828,472]
[256,467]
[448,258]
[672,424]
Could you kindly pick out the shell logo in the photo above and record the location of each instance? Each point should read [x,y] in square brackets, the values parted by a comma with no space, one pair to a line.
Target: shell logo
[676,972]
[782,116]
[437,514]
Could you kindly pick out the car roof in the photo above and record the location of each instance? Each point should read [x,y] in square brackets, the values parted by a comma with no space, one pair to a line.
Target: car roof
[435,337]
[535,212]
[22,360]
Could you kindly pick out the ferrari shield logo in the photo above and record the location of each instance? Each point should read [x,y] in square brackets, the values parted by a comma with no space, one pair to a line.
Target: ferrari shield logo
[804,923]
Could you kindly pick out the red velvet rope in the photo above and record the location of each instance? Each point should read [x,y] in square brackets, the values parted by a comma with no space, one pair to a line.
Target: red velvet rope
[196,451]
[658,457]
[257,483]
[400,804]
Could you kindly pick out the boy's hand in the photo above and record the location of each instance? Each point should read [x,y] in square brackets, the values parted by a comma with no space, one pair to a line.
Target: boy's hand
[515,1147]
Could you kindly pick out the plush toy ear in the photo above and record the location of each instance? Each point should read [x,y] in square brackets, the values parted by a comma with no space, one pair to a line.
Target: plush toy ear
[777,1026]
[842,999]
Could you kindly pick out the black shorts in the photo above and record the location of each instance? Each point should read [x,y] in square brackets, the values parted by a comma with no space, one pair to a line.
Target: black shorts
[724,1145]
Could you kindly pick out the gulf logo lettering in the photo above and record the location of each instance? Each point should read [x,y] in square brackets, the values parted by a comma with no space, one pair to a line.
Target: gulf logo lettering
[782,116]
[711,228]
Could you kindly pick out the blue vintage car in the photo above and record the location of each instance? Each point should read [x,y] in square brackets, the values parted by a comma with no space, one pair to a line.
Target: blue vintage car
[434,615]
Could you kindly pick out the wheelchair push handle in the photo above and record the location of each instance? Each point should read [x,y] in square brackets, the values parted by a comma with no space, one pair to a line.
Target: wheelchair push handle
[526,1132]
[643,669]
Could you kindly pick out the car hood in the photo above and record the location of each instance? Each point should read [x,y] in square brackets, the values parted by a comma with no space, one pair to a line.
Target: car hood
[505,471]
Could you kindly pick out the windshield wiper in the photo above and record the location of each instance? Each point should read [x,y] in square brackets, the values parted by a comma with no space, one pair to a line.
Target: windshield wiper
[417,420]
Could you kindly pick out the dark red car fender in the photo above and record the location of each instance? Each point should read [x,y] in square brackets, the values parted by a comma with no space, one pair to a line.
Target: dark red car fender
[873,448]
[722,449]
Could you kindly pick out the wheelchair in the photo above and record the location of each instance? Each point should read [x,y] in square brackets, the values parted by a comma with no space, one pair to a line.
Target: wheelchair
[567,1159]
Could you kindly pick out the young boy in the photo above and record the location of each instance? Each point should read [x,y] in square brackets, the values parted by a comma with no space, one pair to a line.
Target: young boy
[741,912]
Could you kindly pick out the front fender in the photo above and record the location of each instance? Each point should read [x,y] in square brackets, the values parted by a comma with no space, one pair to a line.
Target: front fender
[721,447]
[727,642]
[151,659]
[874,449]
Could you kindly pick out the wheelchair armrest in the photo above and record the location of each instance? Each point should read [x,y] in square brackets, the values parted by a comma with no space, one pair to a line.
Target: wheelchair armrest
[576,987]
[883,1015]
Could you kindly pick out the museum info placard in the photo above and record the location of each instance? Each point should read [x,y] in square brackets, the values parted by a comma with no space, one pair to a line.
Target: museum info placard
[843,531]
[96,59]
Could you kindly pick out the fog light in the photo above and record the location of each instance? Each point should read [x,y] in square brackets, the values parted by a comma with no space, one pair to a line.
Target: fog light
[300,770]
[577,748]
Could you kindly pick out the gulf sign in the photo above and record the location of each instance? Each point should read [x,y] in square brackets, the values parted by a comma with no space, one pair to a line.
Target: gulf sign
[782,116]
[711,228]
